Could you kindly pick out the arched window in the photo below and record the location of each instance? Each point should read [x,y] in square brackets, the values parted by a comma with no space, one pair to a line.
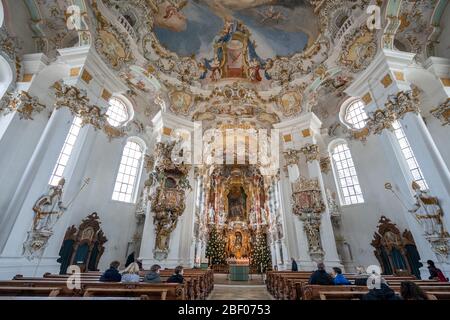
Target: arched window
[66,152]
[408,154]
[353,114]
[6,76]
[345,174]
[119,112]
[129,171]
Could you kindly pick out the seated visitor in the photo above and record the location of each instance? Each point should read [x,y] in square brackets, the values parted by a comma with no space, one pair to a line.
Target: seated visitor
[131,273]
[139,263]
[294,265]
[112,274]
[361,276]
[383,293]
[153,276]
[320,276]
[177,277]
[435,273]
[339,278]
[411,291]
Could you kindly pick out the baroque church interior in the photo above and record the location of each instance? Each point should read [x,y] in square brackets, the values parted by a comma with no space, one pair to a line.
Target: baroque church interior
[234,138]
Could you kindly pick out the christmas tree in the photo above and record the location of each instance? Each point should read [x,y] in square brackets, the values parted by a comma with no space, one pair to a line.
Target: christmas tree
[261,257]
[215,249]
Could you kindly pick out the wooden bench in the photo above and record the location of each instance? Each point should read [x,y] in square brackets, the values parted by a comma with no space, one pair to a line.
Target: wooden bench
[29,291]
[142,292]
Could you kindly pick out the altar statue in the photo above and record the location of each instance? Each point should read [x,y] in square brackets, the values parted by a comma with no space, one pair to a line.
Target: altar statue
[428,211]
[48,208]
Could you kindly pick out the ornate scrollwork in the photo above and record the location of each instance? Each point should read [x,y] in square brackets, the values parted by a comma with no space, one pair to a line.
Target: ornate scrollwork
[443,112]
[325,165]
[309,206]
[311,152]
[402,103]
[379,120]
[22,103]
[78,103]
[168,183]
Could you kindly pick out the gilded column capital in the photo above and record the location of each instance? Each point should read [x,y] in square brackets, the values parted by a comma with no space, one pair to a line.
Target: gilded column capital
[22,103]
[291,156]
[311,152]
[443,112]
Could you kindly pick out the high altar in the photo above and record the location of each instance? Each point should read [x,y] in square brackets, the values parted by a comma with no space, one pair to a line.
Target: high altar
[237,205]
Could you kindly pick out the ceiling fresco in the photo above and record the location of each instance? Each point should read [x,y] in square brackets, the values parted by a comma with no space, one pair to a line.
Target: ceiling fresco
[260,61]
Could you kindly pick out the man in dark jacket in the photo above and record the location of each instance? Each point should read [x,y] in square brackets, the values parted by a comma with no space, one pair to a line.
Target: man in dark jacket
[112,274]
[383,293]
[294,265]
[153,275]
[177,277]
[320,276]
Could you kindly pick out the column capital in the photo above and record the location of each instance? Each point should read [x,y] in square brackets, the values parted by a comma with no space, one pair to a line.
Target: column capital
[387,68]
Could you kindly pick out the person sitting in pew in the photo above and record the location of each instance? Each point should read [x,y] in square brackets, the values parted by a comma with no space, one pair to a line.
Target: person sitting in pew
[112,274]
[339,278]
[320,276]
[435,273]
[411,291]
[384,292]
[361,276]
[131,273]
[153,276]
[177,277]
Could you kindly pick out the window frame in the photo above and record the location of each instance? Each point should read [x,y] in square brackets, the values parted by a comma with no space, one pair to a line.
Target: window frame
[340,191]
[344,111]
[128,107]
[137,182]
[401,157]
[72,155]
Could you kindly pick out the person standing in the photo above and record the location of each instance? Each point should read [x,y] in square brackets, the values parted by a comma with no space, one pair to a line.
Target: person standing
[294,265]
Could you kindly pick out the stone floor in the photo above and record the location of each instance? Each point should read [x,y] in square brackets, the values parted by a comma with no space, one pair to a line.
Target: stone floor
[224,289]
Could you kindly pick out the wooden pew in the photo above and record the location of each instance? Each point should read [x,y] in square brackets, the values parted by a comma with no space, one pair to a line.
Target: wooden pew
[29,291]
[160,293]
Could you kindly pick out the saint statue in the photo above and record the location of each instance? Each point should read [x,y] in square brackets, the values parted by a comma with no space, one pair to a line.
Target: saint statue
[428,211]
[49,208]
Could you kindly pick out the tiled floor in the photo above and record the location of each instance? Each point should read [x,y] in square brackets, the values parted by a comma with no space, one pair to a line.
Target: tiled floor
[254,289]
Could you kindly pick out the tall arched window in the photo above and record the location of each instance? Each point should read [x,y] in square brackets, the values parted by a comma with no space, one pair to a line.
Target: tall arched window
[66,152]
[345,174]
[129,171]
[119,112]
[353,114]
[408,155]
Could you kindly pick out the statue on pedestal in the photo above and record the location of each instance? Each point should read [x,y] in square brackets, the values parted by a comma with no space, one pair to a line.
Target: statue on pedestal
[428,212]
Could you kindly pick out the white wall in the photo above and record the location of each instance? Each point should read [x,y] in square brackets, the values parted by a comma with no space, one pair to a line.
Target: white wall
[443,45]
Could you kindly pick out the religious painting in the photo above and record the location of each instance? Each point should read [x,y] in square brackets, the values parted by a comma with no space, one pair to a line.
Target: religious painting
[235,39]
[237,203]
[290,103]
[180,102]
